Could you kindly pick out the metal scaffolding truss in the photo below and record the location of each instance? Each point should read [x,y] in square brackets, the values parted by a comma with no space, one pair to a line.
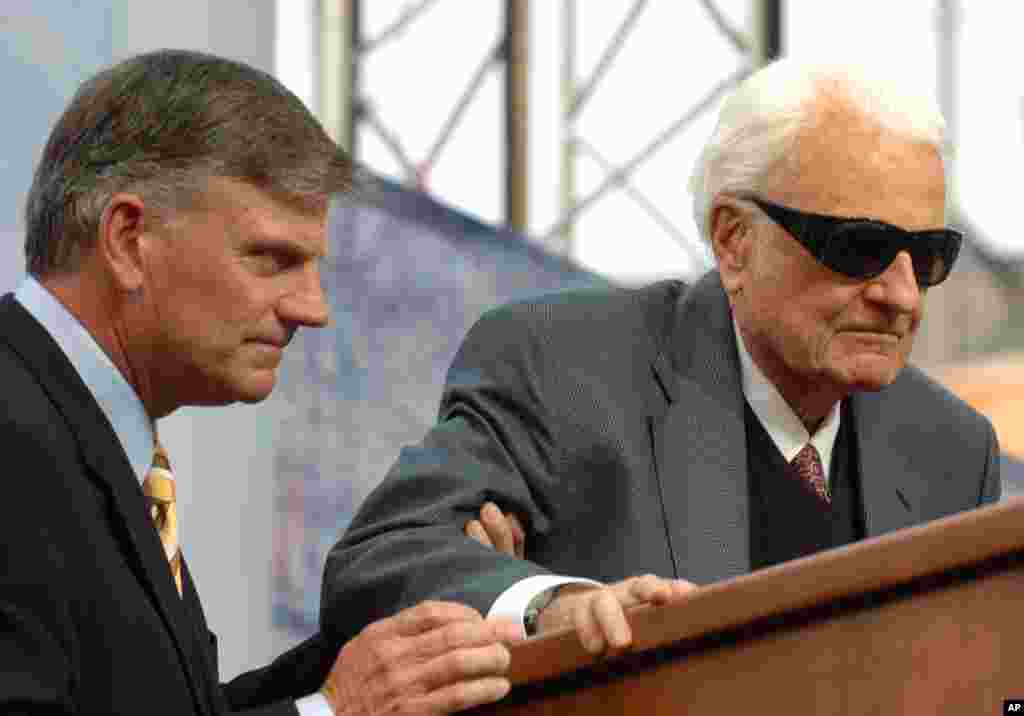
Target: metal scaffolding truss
[764,46]
[346,106]
[417,171]
[350,108]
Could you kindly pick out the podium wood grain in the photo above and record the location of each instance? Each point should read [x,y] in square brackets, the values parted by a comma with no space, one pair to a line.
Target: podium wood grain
[926,620]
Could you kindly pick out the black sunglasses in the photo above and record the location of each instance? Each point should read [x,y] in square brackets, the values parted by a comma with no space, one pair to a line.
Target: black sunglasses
[864,248]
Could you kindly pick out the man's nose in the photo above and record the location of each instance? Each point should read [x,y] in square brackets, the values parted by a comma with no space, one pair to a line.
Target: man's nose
[306,305]
[897,285]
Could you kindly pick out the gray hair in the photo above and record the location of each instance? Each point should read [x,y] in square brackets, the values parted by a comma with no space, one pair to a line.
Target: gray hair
[161,125]
[759,123]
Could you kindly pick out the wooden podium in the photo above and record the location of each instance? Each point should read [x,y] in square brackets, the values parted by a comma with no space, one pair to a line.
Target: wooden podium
[927,620]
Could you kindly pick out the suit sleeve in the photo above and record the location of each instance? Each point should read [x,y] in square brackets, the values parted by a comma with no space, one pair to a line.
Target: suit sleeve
[992,486]
[281,708]
[494,440]
[297,673]
[39,656]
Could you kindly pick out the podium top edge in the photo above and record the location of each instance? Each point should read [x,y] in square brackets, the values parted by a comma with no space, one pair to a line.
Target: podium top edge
[869,566]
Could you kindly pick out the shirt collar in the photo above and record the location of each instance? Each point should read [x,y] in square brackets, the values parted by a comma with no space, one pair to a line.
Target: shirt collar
[117,399]
[785,428]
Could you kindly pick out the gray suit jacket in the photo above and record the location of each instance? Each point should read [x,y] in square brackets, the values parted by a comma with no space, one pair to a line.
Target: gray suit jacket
[613,420]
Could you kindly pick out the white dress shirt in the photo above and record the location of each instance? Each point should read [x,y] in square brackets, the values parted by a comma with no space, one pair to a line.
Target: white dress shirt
[785,428]
[116,398]
[782,424]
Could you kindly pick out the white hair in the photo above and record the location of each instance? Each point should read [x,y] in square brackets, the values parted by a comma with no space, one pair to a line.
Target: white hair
[759,123]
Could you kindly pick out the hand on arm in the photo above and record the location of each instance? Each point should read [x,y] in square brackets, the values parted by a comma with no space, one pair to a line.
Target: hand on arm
[498,530]
[436,657]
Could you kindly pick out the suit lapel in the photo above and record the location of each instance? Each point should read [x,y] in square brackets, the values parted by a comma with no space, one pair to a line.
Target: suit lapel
[207,652]
[143,544]
[891,485]
[700,439]
[102,453]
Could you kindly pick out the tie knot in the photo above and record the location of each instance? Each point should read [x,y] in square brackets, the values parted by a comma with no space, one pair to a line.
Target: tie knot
[159,482]
[807,466]
[807,456]
[160,458]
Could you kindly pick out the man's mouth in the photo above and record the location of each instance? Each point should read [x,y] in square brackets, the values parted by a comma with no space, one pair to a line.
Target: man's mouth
[879,334]
[270,342]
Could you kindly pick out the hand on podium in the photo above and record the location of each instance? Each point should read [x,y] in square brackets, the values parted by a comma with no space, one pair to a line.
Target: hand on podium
[598,613]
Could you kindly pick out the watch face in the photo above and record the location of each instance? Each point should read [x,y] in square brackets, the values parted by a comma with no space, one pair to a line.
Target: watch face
[530,621]
[535,607]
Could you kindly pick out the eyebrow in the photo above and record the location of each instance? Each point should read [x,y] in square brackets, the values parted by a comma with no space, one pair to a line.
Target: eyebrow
[293,246]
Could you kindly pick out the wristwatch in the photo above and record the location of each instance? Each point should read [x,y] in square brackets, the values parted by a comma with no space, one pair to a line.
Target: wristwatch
[535,607]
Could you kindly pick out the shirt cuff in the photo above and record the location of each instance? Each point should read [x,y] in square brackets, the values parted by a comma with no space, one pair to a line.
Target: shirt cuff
[314,705]
[514,601]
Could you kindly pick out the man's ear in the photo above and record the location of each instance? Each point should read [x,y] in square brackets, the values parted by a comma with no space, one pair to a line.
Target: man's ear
[118,241]
[731,234]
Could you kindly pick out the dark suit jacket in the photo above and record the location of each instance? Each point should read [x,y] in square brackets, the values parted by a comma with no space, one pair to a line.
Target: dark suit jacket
[90,620]
[613,420]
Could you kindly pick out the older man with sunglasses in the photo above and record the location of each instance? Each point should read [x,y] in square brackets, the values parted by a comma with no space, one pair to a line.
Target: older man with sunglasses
[699,432]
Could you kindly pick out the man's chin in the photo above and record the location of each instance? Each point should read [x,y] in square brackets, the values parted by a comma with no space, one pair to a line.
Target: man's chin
[253,398]
[253,389]
[257,391]
[870,373]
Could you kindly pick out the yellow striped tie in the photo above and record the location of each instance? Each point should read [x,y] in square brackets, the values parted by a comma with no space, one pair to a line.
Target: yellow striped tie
[159,490]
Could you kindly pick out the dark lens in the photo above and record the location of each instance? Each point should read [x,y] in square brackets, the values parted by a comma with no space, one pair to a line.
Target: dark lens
[864,249]
[933,253]
[929,265]
[859,249]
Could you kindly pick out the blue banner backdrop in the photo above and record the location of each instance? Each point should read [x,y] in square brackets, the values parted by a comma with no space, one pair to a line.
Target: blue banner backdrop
[406,278]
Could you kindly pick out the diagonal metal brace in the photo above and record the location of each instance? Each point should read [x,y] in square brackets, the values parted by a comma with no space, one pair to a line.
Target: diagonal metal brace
[618,176]
[739,40]
[605,61]
[408,15]
[451,122]
[696,250]
[390,139]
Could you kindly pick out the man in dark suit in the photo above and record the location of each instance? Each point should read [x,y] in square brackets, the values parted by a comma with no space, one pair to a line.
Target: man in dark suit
[699,432]
[174,230]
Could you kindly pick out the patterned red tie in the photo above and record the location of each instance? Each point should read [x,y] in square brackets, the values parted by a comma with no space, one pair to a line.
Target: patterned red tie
[807,467]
